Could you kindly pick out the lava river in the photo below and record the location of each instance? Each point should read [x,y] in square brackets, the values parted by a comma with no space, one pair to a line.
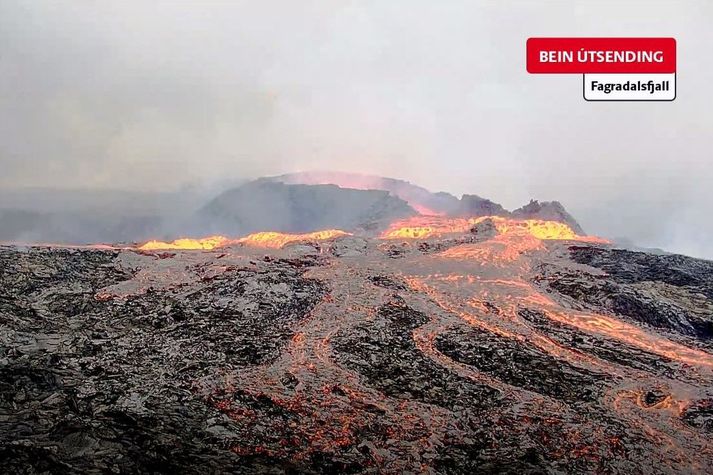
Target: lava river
[438,347]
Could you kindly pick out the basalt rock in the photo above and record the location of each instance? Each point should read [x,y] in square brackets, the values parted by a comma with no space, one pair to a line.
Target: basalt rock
[670,292]
[356,355]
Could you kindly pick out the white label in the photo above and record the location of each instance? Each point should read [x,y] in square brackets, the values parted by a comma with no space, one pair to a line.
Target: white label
[630,87]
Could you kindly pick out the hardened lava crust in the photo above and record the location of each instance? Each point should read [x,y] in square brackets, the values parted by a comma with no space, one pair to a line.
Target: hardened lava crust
[490,354]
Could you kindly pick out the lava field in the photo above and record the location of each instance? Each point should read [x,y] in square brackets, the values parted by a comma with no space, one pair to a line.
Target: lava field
[477,353]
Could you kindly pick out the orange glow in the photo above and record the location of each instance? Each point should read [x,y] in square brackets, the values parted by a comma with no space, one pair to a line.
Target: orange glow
[537,228]
[407,192]
[426,225]
[421,227]
[268,239]
[206,243]
[425,211]
[501,249]
[275,240]
[633,335]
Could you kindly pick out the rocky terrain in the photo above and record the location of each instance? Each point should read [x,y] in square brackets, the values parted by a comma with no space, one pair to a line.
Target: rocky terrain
[472,352]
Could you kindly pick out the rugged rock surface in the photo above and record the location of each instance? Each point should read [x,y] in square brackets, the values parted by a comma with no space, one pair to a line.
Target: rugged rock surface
[670,292]
[265,205]
[474,206]
[426,202]
[549,211]
[488,353]
[415,195]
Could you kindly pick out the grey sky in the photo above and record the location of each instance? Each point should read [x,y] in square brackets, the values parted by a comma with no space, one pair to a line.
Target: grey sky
[154,95]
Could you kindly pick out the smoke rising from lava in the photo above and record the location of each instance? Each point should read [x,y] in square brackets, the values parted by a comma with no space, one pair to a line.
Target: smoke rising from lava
[162,95]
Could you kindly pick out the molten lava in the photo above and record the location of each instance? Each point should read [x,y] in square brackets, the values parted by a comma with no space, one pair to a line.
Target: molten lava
[453,355]
[206,243]
[267,239]
[426,211]
[275,240]
[420,227]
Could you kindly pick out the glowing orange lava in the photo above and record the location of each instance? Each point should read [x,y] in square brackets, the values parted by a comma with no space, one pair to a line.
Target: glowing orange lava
[277,240]
[268,239]
[500,250]
[421,227]
[425,211]
[417,227]
[210,242]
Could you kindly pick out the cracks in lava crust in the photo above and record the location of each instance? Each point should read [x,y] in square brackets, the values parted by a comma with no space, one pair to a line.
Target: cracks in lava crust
[259,366]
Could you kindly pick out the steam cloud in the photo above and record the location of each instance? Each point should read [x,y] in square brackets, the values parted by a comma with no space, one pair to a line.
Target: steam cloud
[148,96]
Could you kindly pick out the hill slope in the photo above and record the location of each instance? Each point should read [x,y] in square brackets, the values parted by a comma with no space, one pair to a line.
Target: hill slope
[263,205]
[477,352]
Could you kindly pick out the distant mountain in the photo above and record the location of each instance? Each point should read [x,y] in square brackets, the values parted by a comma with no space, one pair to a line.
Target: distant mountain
[427,202]
[266,205]
[417,197]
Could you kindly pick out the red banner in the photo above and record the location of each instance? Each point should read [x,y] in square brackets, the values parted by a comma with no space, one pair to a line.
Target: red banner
[601,55]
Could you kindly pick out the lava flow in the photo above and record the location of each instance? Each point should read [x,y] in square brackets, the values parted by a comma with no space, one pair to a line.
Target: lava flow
[210,242]
[421,227]
[267,239]
[418,227]
[446,345]
[277,240]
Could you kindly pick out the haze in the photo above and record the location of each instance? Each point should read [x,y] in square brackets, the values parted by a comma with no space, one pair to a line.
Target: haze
[148,96]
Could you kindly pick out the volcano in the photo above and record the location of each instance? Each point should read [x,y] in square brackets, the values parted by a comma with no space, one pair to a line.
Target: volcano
[414,333]
[365,204]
